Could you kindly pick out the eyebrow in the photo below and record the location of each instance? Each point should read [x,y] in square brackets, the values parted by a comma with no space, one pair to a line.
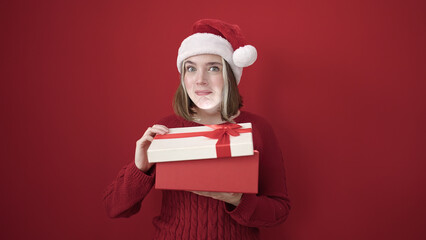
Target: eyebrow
[214,63]
[209,63]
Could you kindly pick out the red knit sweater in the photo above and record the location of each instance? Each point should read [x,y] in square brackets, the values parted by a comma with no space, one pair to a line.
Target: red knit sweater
[185,215]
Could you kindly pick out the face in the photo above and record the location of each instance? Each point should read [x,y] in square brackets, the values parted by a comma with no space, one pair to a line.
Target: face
[204,80]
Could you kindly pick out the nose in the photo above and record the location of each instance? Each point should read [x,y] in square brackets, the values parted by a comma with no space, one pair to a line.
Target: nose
[201,78]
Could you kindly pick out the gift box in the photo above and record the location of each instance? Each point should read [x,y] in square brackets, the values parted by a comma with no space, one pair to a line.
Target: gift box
[203,142]
[233,174]
[206,158]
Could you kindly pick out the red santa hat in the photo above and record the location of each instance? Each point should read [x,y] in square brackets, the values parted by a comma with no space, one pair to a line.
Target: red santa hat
[211,36]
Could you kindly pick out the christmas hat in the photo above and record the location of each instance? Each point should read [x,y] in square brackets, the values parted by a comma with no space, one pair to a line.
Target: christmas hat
[211,36]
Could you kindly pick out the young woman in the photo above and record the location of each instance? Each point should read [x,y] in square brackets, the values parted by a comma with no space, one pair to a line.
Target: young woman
[210,62]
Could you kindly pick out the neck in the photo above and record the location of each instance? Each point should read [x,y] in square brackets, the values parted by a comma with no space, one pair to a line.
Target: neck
[208,117]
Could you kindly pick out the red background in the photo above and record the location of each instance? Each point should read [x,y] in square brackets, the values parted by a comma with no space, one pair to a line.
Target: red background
[341,82]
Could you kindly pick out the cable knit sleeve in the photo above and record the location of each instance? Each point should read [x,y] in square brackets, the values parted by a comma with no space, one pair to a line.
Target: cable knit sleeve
[124,195]
[271,205]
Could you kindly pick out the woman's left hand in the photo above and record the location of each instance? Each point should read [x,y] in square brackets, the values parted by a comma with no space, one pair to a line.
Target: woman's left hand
[231,198]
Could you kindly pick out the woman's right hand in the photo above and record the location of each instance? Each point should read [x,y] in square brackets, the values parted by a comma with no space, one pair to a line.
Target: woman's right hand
[142,145]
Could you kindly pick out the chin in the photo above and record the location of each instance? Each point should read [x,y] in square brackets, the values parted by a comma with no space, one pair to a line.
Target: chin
[207,106]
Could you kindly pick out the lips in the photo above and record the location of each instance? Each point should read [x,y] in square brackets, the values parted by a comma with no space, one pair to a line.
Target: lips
[202,92]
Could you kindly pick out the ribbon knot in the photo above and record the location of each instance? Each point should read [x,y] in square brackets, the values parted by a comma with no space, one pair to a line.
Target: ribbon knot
[223,130]
[222,133]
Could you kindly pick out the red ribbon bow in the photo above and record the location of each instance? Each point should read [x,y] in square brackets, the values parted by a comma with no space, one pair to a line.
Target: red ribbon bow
[220,132]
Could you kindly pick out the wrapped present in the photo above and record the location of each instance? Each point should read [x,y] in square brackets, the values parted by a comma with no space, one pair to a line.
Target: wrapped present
[204,142]
[206,158]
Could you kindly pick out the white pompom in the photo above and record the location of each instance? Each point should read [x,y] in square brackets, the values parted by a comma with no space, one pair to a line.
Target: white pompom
[245,56]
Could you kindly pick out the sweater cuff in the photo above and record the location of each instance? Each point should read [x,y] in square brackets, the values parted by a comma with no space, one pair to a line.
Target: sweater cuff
[245,209]
[145,178]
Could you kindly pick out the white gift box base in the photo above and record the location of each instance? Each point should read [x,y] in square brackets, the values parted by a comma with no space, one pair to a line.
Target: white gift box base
[196,148]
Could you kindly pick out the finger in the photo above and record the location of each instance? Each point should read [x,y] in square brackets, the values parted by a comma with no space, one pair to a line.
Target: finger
[143,140]
[161,127]
[152,131]
[149,138]
[214,195]
[158,131]
[200,193]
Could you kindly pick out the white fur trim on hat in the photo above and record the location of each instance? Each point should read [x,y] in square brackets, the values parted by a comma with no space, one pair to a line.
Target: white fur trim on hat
[245,56]
[207,43]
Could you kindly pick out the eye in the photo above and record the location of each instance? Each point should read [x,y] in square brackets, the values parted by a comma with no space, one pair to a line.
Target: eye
[190,69]
[214,69]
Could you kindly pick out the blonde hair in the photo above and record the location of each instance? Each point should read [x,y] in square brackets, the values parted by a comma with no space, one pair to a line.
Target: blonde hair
[231,98]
